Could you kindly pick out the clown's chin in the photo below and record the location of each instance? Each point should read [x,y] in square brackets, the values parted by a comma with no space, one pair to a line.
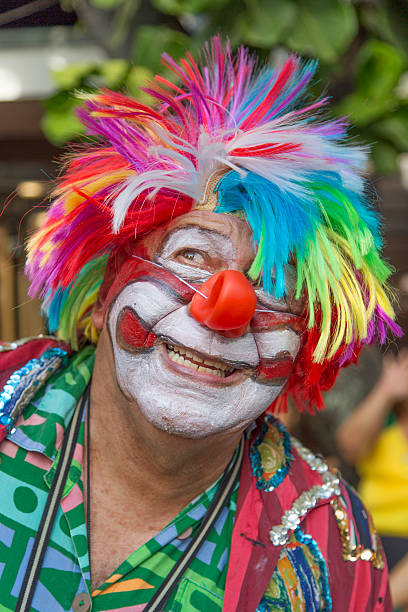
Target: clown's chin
[186,405]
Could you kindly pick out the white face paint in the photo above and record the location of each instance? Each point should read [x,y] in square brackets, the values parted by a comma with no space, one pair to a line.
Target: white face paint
[172,390]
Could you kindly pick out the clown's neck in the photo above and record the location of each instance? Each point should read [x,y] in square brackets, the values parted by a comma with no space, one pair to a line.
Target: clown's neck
[142,463]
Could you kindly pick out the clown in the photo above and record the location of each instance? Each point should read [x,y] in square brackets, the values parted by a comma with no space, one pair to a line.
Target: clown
[220,251]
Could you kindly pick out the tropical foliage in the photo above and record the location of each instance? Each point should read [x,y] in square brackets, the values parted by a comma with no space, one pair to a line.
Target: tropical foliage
[362,47]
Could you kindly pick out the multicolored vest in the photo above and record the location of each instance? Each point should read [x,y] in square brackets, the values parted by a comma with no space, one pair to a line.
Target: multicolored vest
[295,521]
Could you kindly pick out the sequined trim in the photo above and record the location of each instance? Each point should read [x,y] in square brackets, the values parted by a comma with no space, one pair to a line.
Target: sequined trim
[12,346]
[307,539]
[307,500]
[317,464]
[24,383]
[351,550]
[255,456]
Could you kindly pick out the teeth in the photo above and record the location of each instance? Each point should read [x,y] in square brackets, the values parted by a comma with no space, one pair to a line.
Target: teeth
[192,360]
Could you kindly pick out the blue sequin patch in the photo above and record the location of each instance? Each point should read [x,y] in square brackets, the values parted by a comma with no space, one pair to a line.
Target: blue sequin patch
[30,377]
[320,560]
[256,461]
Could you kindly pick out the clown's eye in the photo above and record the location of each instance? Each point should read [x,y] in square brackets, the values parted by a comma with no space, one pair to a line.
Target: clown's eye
[191,256]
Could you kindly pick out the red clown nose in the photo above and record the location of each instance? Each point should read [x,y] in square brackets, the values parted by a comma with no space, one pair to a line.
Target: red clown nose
[229,305]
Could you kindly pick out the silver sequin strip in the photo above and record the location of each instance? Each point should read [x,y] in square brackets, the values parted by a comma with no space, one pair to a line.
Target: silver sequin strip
[35,385]
[308,499]
[11,346]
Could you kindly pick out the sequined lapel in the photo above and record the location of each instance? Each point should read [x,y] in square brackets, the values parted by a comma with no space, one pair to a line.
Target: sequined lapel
[41,427]
[271,505]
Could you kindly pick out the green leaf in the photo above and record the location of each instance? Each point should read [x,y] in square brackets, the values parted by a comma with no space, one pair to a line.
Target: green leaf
[138,77]
[114,72]
[394,129]
[74,75]
[379,67]
[106,5]
[66,5]
[60,123]
[385,158]
[375,19]
[397,12]
[363,110]
[152,41]
[179,7]
[267,22]
[123,22]
[323,28]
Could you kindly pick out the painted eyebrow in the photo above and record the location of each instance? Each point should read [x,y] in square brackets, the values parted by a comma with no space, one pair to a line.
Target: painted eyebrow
[194,236]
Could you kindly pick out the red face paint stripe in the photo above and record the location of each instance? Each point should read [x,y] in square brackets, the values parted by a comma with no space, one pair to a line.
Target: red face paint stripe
[133,269]
[265,321]
[280,368]
[131,335]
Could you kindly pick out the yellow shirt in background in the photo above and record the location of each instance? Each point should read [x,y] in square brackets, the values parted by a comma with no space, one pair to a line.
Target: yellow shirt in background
[384,482]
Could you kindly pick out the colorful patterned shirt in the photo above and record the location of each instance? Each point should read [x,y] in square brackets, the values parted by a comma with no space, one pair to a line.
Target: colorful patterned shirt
[32,455]
[291,532]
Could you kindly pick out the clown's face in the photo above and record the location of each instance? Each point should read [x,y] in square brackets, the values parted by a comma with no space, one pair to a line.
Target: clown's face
[185,378]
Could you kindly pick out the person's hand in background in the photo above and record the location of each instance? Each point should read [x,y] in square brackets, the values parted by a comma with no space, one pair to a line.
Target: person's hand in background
[357,435]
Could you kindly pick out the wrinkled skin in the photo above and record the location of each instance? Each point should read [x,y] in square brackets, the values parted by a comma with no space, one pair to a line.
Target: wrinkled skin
[151,331]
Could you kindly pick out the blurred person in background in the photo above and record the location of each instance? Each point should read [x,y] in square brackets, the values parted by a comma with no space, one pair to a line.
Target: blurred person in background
[204,259]
[374,437]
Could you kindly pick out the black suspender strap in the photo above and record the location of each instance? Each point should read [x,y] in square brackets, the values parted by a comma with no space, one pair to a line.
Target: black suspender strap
[163,593]
[224,492]
[54,497]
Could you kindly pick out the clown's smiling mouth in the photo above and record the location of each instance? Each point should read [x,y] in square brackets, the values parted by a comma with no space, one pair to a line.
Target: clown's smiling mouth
[190,359]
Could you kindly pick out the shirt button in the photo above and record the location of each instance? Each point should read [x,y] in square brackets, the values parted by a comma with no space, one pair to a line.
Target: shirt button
[81,603]
[185,534]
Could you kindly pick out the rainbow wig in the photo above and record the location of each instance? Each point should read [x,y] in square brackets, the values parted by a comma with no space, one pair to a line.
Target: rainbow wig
[283,164]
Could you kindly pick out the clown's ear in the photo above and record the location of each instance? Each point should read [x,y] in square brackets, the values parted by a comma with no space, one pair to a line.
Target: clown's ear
[98,315]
